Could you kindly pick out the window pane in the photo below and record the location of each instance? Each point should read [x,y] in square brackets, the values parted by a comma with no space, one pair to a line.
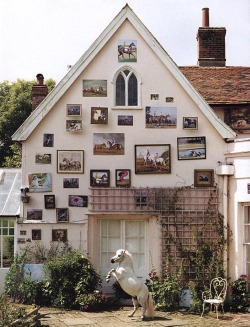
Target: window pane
[120,91]
[132,91]
[247,234]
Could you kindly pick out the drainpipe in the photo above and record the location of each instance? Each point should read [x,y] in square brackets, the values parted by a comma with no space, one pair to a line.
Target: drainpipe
[225,170]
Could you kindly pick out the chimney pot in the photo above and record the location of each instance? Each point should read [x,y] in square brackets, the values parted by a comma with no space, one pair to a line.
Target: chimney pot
[205,17]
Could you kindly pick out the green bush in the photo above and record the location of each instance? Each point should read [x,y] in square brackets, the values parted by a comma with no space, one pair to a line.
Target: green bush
[240,298]
[165,290]
[9,311]
[68,274]
[67,278]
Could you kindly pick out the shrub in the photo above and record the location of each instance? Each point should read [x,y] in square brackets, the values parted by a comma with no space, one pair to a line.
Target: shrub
[9,311]
[240,298]
[67,278]
[95,301]
[165,290]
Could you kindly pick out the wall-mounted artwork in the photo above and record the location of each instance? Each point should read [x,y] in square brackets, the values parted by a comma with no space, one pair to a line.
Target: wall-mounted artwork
[127,51]
[49,201]
[36,234]
[71,182]
[191,148]
[190,122]
[40,182]
[238,119]
[100,178]
[203,177]
[62,215]
[43,158]
[48,140]
[59,235]
[153,159]
[73,125]
[74,110]
[78,201]
[108,143]
[99,115]
[154,96]
[125,120]
[94,88]
[122,177]
[161,117]
[34,214]
[70,161]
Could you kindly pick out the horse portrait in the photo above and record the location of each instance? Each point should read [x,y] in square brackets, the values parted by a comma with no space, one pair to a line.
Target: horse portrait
[70,161]
[126,277]
[127,51]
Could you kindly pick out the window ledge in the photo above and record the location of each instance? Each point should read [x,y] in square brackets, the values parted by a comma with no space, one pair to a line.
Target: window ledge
[127,108]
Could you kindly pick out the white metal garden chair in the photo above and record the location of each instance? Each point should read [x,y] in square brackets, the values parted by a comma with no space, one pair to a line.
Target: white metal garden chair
[215,295]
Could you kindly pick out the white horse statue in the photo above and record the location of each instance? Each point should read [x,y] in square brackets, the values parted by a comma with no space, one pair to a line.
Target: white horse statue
[128,281]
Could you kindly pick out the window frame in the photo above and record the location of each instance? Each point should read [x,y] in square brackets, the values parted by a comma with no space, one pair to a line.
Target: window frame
[126,78]
[3,236]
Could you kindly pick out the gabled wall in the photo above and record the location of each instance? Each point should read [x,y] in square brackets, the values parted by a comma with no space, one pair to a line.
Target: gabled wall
[155,78]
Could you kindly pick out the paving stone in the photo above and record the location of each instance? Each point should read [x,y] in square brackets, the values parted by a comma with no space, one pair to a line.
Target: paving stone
[77,321]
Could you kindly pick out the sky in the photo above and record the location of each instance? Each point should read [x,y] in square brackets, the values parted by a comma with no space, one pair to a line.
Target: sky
[45,36]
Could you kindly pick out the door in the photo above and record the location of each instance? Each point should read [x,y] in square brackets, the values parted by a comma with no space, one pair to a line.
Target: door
[124,234]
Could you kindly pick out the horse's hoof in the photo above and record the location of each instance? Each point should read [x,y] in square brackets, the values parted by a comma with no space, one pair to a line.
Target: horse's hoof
[130,315]
[143,318]
[107,280]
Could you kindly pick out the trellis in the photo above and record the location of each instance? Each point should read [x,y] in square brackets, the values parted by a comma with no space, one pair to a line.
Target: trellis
[185,214]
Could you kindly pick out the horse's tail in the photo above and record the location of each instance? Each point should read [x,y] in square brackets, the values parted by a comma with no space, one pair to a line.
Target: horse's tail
[150,306]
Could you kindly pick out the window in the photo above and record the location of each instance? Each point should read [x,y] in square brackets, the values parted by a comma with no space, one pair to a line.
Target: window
[6,243]
[126,88]
[247,241]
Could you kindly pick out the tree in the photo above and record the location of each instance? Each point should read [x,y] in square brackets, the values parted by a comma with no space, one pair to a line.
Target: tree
[15,107]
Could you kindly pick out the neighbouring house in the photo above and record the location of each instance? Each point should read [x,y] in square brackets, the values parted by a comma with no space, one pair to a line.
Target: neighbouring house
[104,152]
[10,184]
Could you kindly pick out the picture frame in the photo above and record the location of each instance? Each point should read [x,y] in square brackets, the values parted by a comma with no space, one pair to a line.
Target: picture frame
[73,125]
[127,50]
[78,201]
[94,88]
[59,235]
[74,110]
[62,215]
[99,115]
[190,123]
[108,144]
[71,183]
[122,177]
[34,214]
[153,159]
[99,178]
[36,234]
[204,177]
[154,96]
[161,117]
[191,148]
[125,120]
[43,158]
[70,161]
[49,201]
[238,119]
[40,182]
[48,140]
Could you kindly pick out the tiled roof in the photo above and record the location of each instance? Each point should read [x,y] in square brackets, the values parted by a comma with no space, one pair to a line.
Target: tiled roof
[219,85]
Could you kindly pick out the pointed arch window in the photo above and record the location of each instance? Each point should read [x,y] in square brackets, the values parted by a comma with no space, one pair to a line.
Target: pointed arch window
[126,88]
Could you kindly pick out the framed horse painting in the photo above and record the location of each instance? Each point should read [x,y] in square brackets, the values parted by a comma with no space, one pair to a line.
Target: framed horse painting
[153,159]
[70,161]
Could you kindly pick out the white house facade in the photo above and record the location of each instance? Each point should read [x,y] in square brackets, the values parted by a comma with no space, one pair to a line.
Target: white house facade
[122,126]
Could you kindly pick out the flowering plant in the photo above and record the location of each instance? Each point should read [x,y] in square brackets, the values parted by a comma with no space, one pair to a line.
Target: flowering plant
[95,301]
[9,311]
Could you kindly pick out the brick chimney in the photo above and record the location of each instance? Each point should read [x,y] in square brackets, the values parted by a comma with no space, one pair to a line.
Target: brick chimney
[39,91]
[211,43]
